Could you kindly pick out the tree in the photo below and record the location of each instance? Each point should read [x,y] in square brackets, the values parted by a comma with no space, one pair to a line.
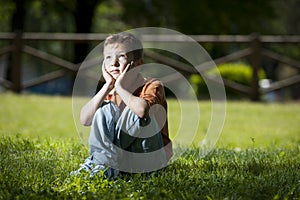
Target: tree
[200,17]
[19,15]
[83,13]
[17,26]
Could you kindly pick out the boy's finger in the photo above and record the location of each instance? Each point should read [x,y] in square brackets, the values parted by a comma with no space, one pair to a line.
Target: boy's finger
[131,64]
[103,66]
[127,67]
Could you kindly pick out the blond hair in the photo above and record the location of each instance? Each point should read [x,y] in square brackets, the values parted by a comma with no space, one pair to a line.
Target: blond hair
[132,43]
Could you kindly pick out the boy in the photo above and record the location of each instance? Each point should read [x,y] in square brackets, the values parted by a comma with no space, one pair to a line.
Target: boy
[128,115]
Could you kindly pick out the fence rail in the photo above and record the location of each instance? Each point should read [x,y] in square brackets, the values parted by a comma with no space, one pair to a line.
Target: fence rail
[255,52]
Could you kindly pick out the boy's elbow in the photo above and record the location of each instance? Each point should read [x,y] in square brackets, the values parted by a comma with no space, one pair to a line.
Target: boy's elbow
[84,121]
[141,115]
[143,112]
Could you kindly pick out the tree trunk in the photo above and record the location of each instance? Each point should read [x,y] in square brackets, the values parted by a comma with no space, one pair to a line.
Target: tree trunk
[83,15]
[17,26]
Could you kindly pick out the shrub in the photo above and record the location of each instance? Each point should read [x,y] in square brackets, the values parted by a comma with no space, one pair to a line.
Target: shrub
[236,72]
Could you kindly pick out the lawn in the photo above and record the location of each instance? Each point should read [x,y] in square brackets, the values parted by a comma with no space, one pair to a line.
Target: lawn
[257,155]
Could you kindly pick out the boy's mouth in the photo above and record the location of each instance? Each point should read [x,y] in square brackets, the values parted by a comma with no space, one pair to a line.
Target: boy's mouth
[115,71]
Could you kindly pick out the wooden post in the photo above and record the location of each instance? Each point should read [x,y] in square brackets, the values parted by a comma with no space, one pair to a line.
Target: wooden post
[256,62]
[16,63]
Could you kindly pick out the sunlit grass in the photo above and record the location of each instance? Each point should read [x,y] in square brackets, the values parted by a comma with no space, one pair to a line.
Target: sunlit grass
[256,157]
[36,116]
[261,125]
[246,124]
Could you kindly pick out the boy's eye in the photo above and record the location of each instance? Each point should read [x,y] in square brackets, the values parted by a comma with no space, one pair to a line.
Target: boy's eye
[122,56]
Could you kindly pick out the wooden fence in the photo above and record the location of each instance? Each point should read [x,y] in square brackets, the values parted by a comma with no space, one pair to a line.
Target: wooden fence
[254,52]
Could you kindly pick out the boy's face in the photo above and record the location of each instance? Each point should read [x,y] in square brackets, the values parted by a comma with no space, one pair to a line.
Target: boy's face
[116,58]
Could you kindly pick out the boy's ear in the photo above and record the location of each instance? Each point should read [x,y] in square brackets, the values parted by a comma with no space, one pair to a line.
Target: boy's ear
[139,62]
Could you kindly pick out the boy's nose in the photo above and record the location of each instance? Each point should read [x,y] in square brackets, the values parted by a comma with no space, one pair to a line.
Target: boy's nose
[115,62]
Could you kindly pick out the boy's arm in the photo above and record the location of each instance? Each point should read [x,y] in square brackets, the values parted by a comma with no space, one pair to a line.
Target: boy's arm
[138,105]
[89,109]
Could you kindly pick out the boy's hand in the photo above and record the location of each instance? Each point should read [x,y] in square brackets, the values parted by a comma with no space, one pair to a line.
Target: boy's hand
[107,77]
[124,78]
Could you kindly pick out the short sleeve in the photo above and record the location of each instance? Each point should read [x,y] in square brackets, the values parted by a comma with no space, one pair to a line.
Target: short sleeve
[153,92]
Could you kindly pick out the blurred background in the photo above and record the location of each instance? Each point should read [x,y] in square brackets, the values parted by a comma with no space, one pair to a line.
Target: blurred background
[255,43]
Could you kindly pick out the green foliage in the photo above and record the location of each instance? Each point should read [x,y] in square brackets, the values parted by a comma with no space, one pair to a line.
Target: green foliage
[108,18]
[224,17]
[6,8]
[200,17]
[236,72]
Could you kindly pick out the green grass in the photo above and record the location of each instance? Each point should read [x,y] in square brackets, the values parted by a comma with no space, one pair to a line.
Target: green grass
[257,155]
[36,116]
